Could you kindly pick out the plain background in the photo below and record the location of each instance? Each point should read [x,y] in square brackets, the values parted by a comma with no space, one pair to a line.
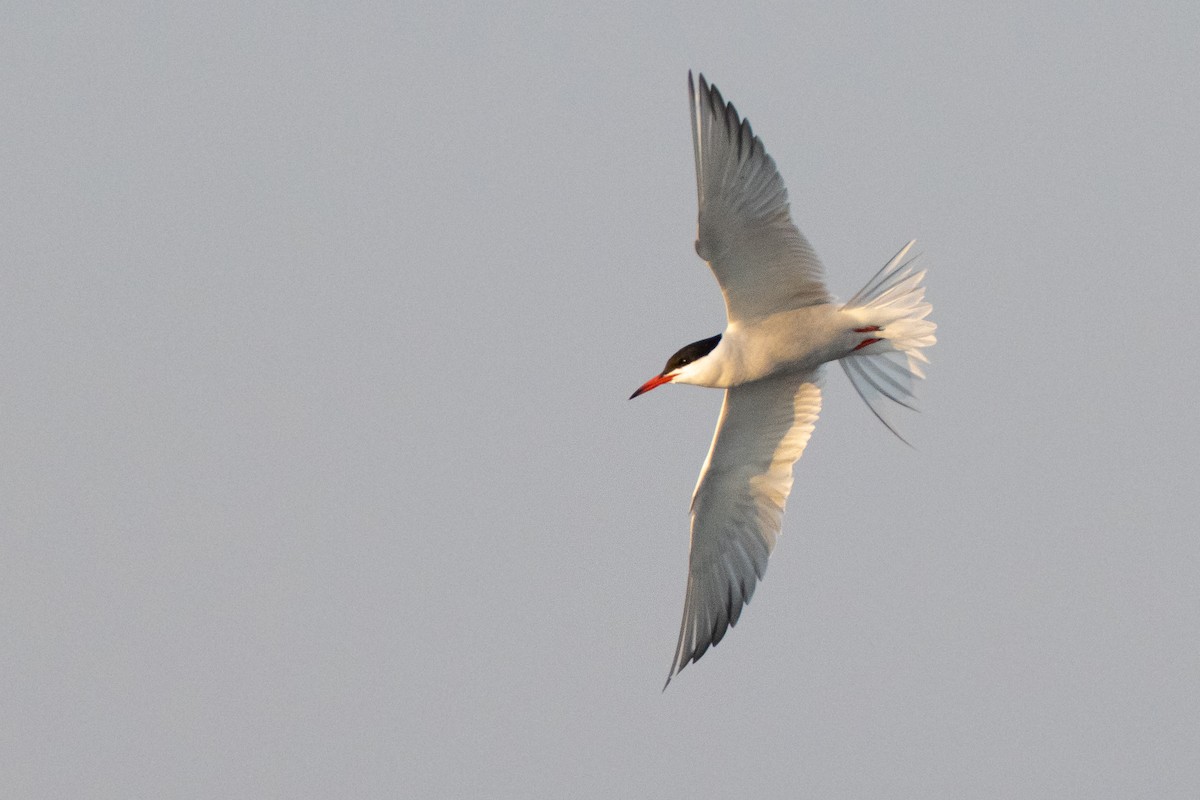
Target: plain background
[318,474]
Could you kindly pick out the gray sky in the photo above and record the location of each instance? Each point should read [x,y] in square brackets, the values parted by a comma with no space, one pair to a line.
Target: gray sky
[319,477]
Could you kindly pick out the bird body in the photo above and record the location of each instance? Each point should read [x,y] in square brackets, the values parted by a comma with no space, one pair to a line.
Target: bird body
[799,340]
[783,326]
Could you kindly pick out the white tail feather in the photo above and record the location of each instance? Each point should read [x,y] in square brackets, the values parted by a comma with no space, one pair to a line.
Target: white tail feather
[893,300]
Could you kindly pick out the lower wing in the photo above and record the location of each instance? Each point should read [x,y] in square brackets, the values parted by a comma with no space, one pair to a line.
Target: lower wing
[737,508]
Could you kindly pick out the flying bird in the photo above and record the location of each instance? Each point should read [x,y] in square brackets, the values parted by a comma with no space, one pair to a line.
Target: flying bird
[782,327]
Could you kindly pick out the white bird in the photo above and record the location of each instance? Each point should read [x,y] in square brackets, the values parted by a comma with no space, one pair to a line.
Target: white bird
[782,327]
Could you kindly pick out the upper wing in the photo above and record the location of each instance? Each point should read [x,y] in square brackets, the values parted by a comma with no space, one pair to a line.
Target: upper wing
[737,508]
[763,263]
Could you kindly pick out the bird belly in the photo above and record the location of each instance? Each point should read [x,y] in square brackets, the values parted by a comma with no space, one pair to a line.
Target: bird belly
[791,341]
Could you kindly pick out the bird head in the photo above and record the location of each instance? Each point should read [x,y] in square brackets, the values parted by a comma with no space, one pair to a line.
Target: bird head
[680,364]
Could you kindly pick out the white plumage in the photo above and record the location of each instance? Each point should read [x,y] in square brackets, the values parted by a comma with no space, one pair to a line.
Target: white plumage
[783,326]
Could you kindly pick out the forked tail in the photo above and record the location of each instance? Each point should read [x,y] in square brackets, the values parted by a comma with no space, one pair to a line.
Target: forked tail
[893,303]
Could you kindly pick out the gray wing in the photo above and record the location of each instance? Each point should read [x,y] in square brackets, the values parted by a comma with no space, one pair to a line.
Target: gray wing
[762,262]
[737,509]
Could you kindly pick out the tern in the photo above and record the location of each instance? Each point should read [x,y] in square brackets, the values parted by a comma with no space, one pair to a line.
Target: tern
[782,327]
